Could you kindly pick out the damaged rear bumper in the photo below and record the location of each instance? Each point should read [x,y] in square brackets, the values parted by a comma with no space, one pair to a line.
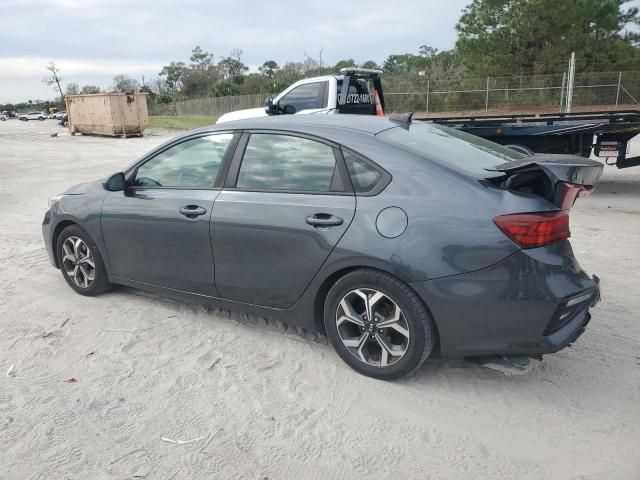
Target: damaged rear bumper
[534,302]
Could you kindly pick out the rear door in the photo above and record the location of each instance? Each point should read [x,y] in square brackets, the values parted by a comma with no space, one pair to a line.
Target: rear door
[286,203]
[157,230]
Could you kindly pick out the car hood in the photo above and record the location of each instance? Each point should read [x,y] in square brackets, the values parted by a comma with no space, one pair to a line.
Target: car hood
[83,188]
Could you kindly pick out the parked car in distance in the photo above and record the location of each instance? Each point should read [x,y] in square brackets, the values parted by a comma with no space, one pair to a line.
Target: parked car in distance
[3,117]
[32,116]
[58,115]
[399,240]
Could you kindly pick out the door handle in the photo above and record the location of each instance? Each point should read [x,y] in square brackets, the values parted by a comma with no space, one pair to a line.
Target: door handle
[324,220]
[192,211]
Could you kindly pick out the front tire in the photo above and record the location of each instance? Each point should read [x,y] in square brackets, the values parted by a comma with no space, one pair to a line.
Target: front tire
[377,324]
[81,263]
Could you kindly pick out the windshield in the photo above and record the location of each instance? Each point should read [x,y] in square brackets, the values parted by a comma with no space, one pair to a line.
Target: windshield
[450,146]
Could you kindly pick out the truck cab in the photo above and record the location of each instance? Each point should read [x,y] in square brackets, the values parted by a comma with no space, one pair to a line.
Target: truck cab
[349,92]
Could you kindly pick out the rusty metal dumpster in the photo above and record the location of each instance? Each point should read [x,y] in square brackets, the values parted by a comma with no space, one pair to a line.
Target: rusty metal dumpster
[114,114]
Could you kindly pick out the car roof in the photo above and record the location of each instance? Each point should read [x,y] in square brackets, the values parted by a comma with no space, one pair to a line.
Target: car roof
[312,123]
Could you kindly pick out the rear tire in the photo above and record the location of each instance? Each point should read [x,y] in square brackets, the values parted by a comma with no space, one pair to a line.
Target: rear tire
[377,324]
[80,262]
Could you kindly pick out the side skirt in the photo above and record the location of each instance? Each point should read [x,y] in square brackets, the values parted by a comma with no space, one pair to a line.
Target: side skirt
[297,315]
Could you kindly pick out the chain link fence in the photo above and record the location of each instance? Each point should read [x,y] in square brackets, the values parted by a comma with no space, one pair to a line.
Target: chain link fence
[495,94]
[209,107]
[412,93]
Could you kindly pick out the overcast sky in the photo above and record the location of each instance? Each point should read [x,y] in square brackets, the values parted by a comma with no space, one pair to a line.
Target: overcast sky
[93,40]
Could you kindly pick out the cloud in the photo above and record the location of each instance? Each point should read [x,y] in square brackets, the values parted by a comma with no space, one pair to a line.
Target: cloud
[96,39]
[21,77]
[70,66]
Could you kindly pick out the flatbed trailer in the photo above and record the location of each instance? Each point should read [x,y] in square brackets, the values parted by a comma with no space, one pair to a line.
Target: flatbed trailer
[603,133]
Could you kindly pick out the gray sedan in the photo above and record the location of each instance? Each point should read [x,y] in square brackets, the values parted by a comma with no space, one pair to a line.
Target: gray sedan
[398,240]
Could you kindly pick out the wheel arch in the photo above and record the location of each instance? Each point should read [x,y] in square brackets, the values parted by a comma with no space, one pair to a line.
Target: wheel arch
[327,283]
[323,291]
[60,226]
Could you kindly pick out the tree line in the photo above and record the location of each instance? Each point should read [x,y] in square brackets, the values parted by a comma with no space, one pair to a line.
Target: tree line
[495,37]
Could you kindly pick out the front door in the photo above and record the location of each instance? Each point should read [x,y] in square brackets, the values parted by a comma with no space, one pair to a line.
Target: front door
[280,219]
[305,98]
[157,230]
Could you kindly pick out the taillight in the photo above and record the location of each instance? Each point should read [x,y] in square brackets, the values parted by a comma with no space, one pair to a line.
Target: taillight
[567,193]
[531,230]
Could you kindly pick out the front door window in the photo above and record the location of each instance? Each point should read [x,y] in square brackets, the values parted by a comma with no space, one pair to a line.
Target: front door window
[190,164]
[305,97]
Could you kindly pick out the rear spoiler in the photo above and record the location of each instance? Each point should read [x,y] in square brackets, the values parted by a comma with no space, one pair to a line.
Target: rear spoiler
[560,168]
[554,177]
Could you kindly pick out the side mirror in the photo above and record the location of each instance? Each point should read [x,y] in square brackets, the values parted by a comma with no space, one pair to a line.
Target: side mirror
[289,110]
[115,183]
[269,106]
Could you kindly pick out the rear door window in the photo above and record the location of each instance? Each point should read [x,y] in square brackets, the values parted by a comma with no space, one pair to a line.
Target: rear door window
[286,163]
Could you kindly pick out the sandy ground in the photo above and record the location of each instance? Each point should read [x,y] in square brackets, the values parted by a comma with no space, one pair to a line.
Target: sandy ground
[283,404]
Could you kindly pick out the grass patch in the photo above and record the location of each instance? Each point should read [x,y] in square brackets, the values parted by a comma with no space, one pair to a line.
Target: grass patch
[180,123]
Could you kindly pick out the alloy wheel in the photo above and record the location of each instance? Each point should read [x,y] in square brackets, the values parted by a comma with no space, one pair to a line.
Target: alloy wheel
[372,327]
[78,262]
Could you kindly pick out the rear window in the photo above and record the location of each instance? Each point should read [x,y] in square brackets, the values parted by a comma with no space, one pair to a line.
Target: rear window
[450,146]
[358,92]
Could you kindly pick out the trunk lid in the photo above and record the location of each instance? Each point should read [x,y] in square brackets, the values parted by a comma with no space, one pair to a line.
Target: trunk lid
[558,178]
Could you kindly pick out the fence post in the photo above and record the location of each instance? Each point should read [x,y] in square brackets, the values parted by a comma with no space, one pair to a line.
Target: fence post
[572,78]
[486,101]
[428,88]
[618,92]
[564,85]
